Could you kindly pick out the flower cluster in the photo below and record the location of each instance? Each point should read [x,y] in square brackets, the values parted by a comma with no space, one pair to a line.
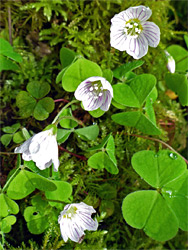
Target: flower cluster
[131,32]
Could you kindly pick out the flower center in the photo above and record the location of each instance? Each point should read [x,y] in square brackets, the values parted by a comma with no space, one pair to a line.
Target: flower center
[96,89]
[70,212]
[133,28]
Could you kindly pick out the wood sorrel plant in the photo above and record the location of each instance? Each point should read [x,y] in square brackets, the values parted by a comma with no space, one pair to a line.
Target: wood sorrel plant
[158,212]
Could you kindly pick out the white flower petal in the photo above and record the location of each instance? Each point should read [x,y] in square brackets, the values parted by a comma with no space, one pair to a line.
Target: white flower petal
[82,90]
[63,229]
[74,219]
[34,147]
[94,96]
[120,18]
[86,208]
[130,32]
[26,156]
[152,33]
[42,148]
[92,103]
[87,222]
[107,100]
[118,38]
[171,64]
[138,47]
[24,147]
[142,13]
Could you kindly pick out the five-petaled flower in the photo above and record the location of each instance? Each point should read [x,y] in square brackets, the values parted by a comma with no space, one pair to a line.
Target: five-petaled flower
[95,92]
[74,219]
[131,33]
[171,64]
[41,148]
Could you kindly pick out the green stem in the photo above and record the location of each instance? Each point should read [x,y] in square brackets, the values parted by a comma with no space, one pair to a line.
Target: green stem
[3,242]
[60,112]
[10,179]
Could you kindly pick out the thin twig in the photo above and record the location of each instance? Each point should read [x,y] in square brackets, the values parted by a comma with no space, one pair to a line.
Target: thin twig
[82,157]
[162,142]
[61,100]
[9,25]
[7,153]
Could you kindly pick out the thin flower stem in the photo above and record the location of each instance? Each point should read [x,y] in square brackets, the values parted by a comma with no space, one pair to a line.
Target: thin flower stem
[162,142]
[10,179]
[7,153]
[78,156]
[60,112]
[61,100]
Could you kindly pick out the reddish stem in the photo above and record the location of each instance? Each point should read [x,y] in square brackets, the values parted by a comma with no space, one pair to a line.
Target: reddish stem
[61,100]
[82,157]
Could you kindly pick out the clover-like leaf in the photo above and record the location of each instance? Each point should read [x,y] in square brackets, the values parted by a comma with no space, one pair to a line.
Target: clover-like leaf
[67,123]
[38,89]
[43,108]
[108,75]
[178,83]
[25,183]
[159,212]
[60,75]
[97,113]
[6,223]
[138,120]
[62,193]
[135,93]
[32,166]
[6,64]
[176,195]
[7,50]
[150,110]
[8,206]
[101,145]
[63,135]
[78,72]
[121,71]
[158,168]
[39,202]
[37,220]
[88,133]
[6,139]
[110,149]
[67,56]
[101,160]
[148,210]
[180,56]
[25,103]
[11,129]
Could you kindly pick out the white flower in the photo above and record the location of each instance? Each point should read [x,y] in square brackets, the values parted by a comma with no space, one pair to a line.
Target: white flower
[131,33]
[171,65]
[74,219]
[95,92]
[41,148]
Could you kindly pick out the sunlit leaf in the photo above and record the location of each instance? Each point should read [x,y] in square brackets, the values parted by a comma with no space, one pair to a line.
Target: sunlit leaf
[78,72]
